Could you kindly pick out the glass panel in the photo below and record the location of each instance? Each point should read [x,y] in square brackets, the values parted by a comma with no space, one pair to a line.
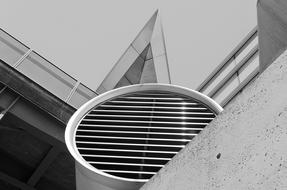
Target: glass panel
[226,90]
[123,82]
[246,50]
[219,77]
[135,71]
[149,54]
[157,41]
[47,75]
[249,67]
[101,89]
[81,96]
[144,36]
[161,69]
[120,68]
[148,73]
[11,50]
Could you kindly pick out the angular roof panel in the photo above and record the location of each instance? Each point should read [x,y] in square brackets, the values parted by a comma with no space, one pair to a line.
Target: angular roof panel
[145,60]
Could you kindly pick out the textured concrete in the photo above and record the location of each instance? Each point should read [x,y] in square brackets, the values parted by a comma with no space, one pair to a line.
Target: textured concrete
[272,30]
[245,147]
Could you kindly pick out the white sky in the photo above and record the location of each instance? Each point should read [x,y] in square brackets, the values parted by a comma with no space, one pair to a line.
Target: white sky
[86,38]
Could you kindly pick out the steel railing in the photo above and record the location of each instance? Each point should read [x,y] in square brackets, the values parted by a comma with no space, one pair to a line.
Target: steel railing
[239,68]
[233,74]
[43,72]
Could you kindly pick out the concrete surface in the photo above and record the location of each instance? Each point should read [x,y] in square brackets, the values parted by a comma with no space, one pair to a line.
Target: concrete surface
[245,147]
[272,30]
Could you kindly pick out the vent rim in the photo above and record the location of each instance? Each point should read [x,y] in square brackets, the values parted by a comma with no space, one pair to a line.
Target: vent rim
[77,117]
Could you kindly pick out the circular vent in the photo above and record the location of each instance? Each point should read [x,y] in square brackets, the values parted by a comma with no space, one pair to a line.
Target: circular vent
[132,132]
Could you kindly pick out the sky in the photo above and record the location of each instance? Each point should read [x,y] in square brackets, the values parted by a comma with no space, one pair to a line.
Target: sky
[86,38]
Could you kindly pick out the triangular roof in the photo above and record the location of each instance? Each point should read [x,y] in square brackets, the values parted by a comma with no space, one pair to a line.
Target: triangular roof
[144,61]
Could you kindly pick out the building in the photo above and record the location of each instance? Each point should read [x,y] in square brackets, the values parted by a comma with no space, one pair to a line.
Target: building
[37,98]
[244,147]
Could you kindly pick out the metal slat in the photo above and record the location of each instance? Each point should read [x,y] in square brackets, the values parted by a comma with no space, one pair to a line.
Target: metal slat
[126,171]
[125,157]
[154,98]
[155,103]
[152,107]
[154,112]
[133,138]
[135,132]
[125,164]
[156,117]
[153,94]
[141,127]
[129,144]
[150,122]
[130,150]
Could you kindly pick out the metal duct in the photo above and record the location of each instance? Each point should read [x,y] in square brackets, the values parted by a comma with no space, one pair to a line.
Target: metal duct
[125,136]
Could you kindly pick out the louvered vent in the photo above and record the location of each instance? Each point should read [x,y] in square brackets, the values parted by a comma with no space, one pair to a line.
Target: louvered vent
[133,135]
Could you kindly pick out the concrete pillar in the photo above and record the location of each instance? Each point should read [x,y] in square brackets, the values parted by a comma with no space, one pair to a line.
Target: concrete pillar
[272,30]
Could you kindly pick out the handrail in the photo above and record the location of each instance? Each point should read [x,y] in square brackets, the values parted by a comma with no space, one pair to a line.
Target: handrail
[232,72]
[75,93]
[240,87]
[216,86]
[249,36]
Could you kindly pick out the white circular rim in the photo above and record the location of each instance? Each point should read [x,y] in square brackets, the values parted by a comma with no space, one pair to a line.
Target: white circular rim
[84,109]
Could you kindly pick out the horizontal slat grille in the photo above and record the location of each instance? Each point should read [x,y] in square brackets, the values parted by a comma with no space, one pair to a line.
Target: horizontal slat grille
[134,135]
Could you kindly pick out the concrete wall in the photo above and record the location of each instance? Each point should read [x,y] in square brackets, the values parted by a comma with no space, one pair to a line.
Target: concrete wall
[272,30]
[245,147]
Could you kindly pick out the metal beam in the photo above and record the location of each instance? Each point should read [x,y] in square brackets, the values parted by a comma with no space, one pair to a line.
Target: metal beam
[15,182]
[43,166]
[34,120]
[35,93]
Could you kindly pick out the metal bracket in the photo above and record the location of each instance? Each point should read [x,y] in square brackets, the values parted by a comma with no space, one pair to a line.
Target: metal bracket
[72,91]
[22,58]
